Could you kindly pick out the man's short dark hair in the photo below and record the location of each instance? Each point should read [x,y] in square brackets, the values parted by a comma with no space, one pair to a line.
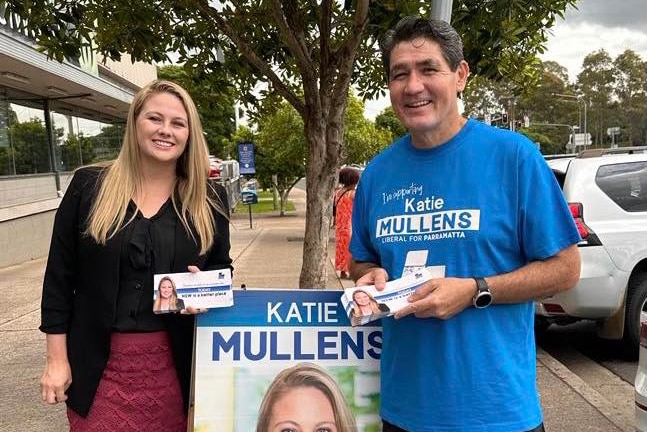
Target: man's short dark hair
[413,27]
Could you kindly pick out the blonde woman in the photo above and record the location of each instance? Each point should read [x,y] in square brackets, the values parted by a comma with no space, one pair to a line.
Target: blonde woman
[166,299]
[109,357]
[305,398]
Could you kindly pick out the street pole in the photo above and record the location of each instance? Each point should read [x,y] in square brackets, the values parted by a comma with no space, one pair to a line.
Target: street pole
[579,108]
[584,102]
[441,10]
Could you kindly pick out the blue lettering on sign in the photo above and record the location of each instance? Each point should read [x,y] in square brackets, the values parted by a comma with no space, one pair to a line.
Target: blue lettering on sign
[330,345]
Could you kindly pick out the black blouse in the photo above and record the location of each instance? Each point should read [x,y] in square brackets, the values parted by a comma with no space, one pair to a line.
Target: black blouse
[148,249]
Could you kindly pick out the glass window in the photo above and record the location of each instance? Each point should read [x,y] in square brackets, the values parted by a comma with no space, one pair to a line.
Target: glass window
[625,184]
[25,150]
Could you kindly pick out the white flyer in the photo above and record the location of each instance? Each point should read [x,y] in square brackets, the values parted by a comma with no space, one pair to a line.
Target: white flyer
[205,289]
[364,304]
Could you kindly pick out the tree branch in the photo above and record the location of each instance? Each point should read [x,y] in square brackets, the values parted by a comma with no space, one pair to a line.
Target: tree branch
[247,51]
[293,33]
[348,50]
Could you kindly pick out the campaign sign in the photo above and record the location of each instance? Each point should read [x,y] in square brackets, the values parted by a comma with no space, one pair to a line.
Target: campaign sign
[246,352]
[246,158]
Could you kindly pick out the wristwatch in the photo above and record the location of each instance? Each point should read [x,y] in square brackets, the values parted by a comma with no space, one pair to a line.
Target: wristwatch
[483,296]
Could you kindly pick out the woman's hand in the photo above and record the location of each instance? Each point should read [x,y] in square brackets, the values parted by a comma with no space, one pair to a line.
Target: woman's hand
[190,310]
[58,375]
[55,381]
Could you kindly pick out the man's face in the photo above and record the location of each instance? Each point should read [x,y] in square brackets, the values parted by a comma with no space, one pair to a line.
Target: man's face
[423,88]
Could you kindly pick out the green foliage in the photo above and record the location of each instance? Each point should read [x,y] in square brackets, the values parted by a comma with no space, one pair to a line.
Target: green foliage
[77,150]
[30,149]
[387,120]
[264,205]
[501,38]
[281,148]
[308,53]
[362,138]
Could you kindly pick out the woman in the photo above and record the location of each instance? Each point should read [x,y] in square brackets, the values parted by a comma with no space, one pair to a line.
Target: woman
[166,300]
[114,362]
[305,398]
[364,305]
[343,212]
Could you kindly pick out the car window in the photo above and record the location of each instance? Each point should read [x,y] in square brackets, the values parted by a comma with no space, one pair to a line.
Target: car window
[560,176]
[625,184]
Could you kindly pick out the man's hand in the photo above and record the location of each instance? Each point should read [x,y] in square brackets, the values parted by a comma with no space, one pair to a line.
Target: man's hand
[376,276]
[440,298]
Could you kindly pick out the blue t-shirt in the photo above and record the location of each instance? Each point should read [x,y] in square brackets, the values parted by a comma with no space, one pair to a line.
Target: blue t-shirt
[482,204]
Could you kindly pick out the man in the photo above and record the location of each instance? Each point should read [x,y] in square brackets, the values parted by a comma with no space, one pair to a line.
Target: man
[481,204]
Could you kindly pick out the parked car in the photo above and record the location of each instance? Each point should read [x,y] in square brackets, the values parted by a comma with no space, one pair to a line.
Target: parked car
[607,194]
[215,167]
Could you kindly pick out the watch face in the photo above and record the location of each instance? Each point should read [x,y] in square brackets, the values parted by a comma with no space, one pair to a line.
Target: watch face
[483,299]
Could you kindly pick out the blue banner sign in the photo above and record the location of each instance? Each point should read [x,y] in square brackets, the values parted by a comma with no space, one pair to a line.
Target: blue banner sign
[246,157]
[241,350]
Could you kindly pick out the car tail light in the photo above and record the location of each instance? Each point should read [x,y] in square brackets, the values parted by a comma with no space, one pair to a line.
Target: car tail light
[588,236]
[553,308]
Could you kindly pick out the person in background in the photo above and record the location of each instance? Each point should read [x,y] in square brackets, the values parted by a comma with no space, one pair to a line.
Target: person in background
[481,202]
[343,213]
[305,398]
[116,364]
[166,299]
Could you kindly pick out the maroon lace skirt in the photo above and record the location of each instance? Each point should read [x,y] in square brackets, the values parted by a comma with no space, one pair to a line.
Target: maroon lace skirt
[139,390]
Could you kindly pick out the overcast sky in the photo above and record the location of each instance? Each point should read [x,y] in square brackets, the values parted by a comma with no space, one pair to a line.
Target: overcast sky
[613,25]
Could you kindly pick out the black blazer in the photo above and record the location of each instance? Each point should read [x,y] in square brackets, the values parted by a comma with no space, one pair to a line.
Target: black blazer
[81,284]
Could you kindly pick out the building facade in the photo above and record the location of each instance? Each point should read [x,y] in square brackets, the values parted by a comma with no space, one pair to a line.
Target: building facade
[54,117]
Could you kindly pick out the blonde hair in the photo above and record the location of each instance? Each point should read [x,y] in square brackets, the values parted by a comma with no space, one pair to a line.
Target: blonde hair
[172,302]
[306,375]
[373,304]
[121,180]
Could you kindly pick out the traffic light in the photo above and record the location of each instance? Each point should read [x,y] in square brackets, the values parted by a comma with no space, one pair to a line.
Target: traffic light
[504,119]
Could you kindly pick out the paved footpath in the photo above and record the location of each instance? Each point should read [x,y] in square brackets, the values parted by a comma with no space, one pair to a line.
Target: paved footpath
[269,254]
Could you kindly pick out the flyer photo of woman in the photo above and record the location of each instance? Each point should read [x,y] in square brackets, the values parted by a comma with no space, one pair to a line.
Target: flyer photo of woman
[305,398]
[166,299]
[364,305]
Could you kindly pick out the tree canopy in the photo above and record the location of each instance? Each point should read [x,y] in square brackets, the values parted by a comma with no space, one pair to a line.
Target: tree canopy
[309,53]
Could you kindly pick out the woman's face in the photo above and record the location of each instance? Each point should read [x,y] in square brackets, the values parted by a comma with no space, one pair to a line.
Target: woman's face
[303,409]
[166,289]
[162,128]
[361,298]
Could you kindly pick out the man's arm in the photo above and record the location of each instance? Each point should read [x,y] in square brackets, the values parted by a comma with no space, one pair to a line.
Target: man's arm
[538,279]
[443,298]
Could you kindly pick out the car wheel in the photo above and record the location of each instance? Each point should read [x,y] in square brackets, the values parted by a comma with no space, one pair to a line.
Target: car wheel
[541,326]
[636,307]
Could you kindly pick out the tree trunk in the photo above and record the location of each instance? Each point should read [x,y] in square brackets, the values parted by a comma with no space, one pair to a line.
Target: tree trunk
[324,145]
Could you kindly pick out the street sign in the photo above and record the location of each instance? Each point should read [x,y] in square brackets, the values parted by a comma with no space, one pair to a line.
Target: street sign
[246,157]
[580,139]
[613,131]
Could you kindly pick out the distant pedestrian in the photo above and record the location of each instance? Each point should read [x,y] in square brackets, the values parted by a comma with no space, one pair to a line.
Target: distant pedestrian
[116,364]
[343,212]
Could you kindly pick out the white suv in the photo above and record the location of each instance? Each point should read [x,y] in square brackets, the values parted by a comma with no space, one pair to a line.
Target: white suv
[607,193]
